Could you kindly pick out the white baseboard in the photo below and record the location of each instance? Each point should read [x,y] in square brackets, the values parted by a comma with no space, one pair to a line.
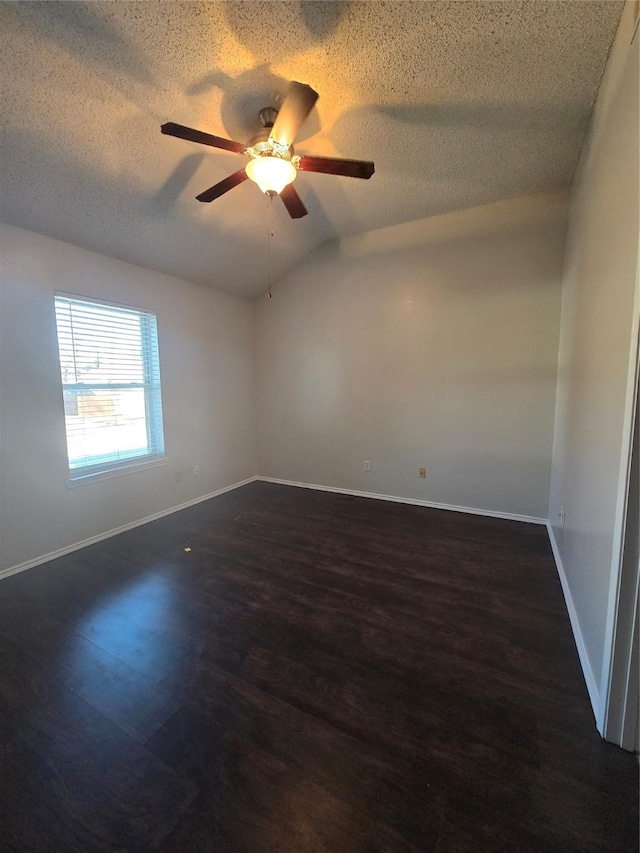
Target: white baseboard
[53,555]
[508,516]
[592,687]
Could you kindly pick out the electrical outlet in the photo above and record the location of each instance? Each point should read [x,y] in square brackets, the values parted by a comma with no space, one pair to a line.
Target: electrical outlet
[422,473]
[367,465]
[196,470]
[563,517]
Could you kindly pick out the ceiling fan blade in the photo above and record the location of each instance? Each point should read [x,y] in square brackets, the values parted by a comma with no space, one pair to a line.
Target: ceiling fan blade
[223,187]
[192,135]
[295,108]
[337,166]
[293,202]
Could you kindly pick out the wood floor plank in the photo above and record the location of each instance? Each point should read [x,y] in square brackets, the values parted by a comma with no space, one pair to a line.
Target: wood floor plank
[236,570]
[39,812]
[435,732]
[117,791]
[407,796]
[263,804]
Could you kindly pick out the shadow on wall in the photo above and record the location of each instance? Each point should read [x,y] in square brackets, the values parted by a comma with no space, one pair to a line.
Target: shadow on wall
[245,95]
[165,199]
[83,32]
[499,218]
[319,20]
[123,227]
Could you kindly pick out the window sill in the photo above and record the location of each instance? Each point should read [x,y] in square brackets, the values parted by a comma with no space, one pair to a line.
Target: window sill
[121,470]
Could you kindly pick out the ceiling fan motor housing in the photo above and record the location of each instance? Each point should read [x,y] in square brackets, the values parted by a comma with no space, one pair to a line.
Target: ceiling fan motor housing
[268,116]
[260,145]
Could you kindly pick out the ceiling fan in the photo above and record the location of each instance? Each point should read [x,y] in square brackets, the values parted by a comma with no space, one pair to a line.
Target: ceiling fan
[272,164]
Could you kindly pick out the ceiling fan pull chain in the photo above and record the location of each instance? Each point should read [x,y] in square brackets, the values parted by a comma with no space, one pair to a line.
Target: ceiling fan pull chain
[269,236]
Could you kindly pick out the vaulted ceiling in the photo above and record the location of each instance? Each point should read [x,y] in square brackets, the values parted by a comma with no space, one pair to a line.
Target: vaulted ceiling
[458,103]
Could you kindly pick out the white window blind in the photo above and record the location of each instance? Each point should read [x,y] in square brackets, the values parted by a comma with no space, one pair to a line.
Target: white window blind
[110,383]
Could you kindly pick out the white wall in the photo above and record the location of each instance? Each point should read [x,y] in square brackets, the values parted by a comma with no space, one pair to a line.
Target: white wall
[598,338]
[427,344]
[207,391]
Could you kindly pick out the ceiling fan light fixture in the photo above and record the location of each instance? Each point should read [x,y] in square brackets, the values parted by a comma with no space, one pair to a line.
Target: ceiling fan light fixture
[272,164]
[271,174]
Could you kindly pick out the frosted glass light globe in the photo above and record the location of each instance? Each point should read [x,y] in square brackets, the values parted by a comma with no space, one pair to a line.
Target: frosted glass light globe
[271,174]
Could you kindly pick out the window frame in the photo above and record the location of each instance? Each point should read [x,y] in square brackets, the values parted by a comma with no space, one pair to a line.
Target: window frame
[151,385]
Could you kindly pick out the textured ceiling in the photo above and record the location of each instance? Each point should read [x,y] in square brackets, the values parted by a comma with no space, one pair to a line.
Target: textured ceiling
[458,104]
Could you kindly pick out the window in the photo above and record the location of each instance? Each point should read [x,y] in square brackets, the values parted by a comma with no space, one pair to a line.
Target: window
[110,384]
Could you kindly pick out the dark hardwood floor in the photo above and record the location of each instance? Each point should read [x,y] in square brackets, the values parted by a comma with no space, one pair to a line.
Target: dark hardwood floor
[286,670]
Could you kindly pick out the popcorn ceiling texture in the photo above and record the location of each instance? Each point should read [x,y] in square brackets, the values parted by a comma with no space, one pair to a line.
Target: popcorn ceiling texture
[458,103]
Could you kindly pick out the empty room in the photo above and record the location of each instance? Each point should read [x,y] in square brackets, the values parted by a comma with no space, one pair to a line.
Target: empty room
[319,441]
